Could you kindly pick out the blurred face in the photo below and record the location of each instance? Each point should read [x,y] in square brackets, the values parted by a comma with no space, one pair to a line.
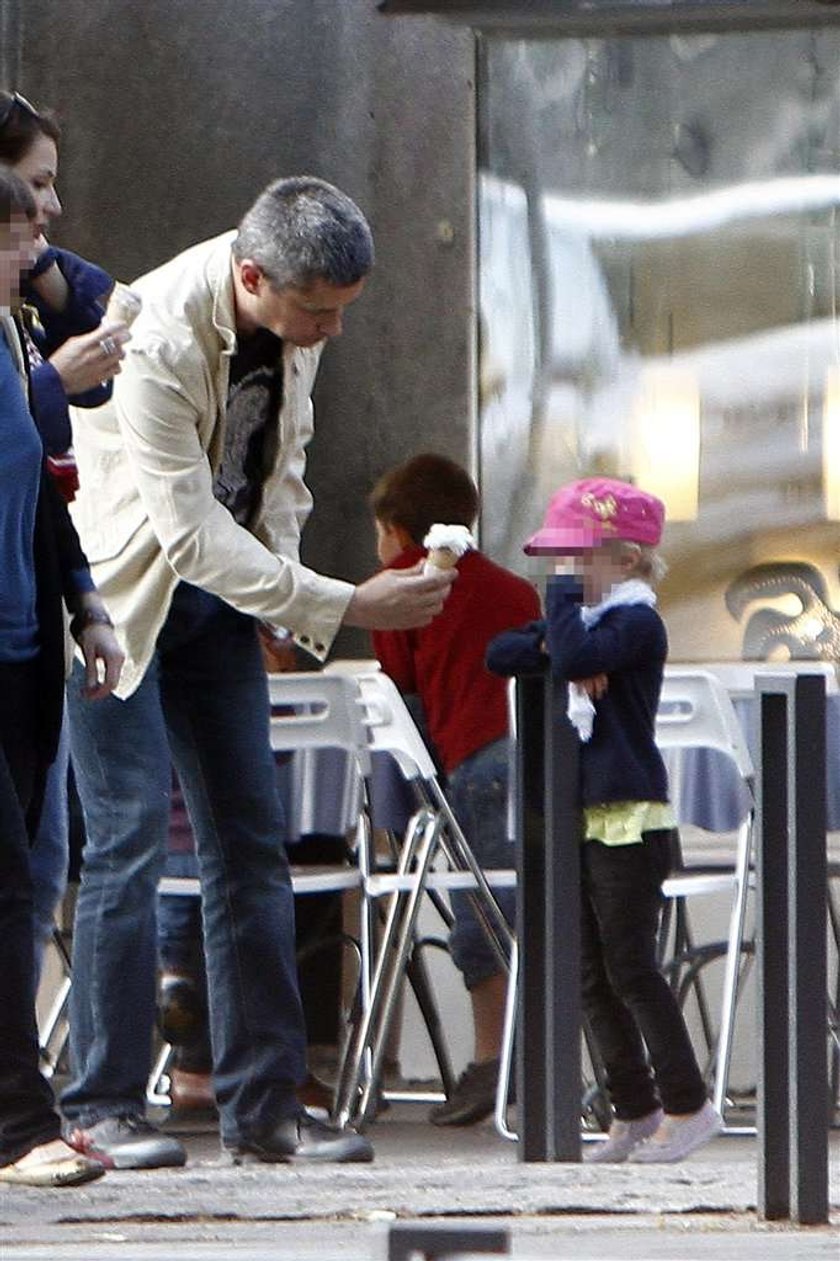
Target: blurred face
[303,317]
[17,254]
[598,569]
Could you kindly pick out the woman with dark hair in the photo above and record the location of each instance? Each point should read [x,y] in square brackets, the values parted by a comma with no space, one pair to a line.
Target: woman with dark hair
[76,355]
[72,356]
[41,562]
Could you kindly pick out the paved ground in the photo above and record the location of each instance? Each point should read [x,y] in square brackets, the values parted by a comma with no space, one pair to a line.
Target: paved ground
[704,1208]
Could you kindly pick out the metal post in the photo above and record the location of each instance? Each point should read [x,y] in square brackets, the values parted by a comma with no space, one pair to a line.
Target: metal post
[791,942]
[529,830]
[562,918]
[547,828]
[771,957]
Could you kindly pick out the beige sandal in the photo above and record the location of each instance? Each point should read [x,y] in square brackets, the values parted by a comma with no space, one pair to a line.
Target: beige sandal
[52,1164]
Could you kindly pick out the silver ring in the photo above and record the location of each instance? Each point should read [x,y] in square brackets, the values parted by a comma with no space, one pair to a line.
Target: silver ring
[109,346]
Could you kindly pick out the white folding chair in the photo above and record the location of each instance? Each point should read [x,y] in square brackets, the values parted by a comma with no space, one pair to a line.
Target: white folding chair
[433,836]
[695,713]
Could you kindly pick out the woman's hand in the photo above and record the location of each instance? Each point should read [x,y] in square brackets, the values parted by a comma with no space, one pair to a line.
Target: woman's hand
[103,660]
[88,360]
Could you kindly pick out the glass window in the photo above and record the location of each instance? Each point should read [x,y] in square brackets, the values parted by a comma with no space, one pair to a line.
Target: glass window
[658,282]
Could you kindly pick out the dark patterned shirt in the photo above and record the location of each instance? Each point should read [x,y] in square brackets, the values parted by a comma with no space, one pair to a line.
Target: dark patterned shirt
[255,395]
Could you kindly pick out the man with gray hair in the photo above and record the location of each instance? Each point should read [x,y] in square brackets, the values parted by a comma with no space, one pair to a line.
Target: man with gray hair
[191,504]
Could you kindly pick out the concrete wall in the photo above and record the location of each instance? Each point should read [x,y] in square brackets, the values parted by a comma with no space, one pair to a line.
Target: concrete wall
[176,112]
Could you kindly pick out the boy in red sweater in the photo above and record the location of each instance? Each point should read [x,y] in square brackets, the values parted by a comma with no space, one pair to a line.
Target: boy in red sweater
[465,708]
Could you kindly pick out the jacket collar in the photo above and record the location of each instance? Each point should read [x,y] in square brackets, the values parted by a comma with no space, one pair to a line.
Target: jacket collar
[220,277]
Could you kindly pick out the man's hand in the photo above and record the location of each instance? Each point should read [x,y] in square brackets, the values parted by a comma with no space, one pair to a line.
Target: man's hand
[399,599]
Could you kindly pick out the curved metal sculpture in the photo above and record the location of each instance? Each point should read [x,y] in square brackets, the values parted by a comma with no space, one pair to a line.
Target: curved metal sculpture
[811,634]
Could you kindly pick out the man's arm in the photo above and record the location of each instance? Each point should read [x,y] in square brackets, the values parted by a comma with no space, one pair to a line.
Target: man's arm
[399,599]
[159,423]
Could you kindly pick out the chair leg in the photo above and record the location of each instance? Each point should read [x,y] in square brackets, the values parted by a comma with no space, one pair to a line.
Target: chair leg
[506,1050]
[368,1041]
[732,974]
[54,1029]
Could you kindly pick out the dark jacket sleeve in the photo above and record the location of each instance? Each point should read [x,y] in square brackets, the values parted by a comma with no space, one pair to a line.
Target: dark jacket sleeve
[73,569]
[89,286]
[49,407]
[622,640]
[518,651]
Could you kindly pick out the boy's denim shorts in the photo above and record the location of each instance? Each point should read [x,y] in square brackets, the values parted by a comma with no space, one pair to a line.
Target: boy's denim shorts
[477,790]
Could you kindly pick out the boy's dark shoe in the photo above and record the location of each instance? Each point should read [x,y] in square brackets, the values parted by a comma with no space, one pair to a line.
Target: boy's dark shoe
[302,1139]
[127,1142]
[473,1098]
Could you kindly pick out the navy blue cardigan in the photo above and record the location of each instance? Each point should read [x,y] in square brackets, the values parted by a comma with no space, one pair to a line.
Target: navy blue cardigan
[621,761]
[89,286]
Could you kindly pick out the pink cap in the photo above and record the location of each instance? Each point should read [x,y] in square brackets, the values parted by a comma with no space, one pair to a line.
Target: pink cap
[585,513]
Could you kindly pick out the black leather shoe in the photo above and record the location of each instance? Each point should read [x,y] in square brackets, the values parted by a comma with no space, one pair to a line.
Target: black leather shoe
[302,1139]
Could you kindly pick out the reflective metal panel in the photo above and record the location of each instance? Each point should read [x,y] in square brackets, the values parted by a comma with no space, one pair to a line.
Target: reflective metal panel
[658,300]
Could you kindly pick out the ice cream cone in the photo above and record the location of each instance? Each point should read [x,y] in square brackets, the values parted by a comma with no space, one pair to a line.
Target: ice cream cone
[123,305]
[440,558]
[446,544]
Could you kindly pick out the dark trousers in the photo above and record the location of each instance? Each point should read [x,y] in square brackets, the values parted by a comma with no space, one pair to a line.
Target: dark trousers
[27,1114]
[627,1002]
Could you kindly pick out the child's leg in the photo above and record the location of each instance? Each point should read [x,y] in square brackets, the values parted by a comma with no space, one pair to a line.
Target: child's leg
[477,791]
[616,1035]
[488,1008]
[624,884]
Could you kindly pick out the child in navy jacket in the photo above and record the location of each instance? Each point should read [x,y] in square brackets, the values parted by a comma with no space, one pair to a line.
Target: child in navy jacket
[602,633]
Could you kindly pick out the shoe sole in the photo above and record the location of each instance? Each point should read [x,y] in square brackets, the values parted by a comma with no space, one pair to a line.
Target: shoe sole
[127,1160]
[260,1157]
[464,1118]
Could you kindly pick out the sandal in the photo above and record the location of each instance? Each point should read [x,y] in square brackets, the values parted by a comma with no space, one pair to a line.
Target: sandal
[51,1164]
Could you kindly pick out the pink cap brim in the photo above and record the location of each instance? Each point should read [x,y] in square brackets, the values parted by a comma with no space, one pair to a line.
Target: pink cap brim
[559,540]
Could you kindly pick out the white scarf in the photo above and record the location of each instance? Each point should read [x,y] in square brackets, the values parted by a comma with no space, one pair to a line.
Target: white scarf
[581,711]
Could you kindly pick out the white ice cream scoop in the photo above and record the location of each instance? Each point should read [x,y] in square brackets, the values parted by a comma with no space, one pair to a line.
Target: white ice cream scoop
[446,544]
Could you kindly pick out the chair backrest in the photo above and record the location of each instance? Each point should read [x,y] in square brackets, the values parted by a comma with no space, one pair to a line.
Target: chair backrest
[390,726]
[696,712]
[318,711]
[740,677]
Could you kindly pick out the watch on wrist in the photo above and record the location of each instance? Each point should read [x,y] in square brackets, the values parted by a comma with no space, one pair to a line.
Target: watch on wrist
[88,617]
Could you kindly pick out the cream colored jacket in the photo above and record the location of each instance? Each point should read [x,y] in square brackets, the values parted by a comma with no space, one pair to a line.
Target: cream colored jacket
[147,460]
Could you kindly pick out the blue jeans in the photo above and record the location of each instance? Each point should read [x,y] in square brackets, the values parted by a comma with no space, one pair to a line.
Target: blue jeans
[477,791]
[49,855]
[204,698]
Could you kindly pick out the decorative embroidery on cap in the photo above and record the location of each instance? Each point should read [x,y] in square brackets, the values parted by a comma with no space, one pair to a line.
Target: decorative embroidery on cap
[601,508]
